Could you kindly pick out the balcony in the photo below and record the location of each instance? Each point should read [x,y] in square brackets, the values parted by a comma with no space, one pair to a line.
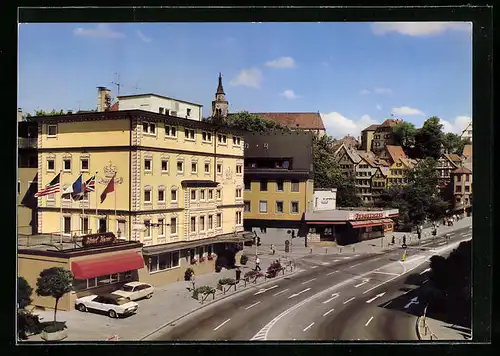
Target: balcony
[24,142]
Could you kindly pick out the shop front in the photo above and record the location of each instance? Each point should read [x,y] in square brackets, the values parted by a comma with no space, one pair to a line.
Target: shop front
[100,263]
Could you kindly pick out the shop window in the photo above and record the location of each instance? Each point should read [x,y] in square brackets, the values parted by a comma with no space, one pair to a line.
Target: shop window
[164,261]
[125,276]
[91,282]
[173,226]
[79,284]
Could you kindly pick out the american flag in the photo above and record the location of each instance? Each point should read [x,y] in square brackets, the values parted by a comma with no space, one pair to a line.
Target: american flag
[89,185]
[53,187]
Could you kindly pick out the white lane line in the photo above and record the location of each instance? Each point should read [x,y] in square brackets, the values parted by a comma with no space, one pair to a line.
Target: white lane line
[325,263]
[328,312]
[309,281]
[217,328]
[388,273]
[336,261]
[307,328]
[425,281]
[386,304]
[265,290]
[357,264]
[299,293]
[283,291]
[368,322]
[346,257]
[348,300]
[376,297]
[329,274]
[424,271]
[364,282]
[390,279]
[334,295]
[356,256]
[314,267]
[251,306]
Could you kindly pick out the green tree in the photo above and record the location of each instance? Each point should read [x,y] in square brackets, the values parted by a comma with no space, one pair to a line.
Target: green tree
[404,135]
[244,120]
[429,138]
[46,113]
[54,282]
[24,292]
[451,142]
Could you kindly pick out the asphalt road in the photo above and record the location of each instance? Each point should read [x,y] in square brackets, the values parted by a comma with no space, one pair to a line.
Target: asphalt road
[331,298]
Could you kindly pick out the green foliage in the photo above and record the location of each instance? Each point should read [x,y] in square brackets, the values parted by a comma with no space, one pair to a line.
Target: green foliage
[429,138]
[46,113]
[27,322]
[224,281]
[404,135]
[273,269]
[54,282]
[204,290]
[254,274]
[250,122]
[243,259]
[24,292]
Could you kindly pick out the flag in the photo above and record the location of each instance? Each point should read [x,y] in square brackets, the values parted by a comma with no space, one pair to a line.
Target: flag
[109,188]
[53,187]
[89,185]
[76,189]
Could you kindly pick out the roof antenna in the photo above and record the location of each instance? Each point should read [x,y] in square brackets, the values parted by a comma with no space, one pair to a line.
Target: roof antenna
[117,83]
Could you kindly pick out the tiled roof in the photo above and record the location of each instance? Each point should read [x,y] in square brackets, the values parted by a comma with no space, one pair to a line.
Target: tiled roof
[462,170]
[114,107]
[467,150]
[391,122]
[300,120]
[454,157]
[395,152]
[371,127]
[353,155]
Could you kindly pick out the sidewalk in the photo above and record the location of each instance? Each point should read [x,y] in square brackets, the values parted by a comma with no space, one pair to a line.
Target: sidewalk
[168,304]
[432,329]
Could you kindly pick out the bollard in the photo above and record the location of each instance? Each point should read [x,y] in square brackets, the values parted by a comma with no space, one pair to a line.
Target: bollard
[353,249]
[311,251]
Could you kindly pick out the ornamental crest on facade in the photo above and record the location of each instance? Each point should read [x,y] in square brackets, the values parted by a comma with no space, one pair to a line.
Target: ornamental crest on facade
[109,171]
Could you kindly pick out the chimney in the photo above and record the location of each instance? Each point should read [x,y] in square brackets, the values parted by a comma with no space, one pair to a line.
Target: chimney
[103,99]
[19,114]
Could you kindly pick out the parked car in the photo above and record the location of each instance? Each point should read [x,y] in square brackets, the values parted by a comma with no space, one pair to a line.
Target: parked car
[112,305]
[135,290]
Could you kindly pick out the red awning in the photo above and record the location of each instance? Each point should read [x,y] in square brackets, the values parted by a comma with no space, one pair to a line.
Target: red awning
[326,222]
[107,265]
[366,223]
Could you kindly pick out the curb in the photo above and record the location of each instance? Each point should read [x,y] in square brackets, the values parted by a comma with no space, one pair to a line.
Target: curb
[417,328]
[210,303]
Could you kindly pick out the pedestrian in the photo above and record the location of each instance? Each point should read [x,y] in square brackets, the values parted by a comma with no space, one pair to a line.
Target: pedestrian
[393,241]
[404,239]
[293,234]
[238,274]
[257,263]
[273,250]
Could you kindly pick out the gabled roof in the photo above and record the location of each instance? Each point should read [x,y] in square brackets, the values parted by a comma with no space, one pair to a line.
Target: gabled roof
[408,162]
[395,152]
[297,120]
[369,157]
[353,155]
[467,150]
[454,157]
[391,123]
[371,127]
[462,170]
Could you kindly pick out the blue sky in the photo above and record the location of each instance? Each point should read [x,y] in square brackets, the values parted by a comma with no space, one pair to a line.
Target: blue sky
[354,74]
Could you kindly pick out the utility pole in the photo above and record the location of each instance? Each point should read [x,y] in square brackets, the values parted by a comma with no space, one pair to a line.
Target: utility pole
[117,83]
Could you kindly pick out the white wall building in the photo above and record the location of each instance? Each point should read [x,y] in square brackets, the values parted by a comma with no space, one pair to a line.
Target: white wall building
[160,104]
[467,133]
[325,199]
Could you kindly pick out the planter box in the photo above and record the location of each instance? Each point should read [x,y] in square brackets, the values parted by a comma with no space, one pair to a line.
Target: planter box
[54,336]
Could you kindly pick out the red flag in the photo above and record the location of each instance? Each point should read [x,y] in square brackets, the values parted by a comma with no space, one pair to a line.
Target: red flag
[109,188]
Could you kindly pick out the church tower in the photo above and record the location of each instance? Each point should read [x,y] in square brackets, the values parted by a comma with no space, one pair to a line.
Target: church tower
[220,106]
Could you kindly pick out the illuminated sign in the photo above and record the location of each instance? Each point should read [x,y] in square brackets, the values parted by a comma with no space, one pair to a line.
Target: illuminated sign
[366,216]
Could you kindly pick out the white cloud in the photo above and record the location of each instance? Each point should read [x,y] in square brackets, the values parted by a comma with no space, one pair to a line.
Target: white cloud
[143,37]
[365,91]
[339,126]
[406,110]
[283,62]
[419,28]
[248,77]
[457,126]
[382,91]
[289,94]
[379,107]
[101,30]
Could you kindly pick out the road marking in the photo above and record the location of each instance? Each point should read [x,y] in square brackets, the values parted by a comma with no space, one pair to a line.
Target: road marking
[346,257]
[386,304]
[309,281]
[412,301]
[355,256]
[251,306]
[328,312]
[325,263]
[376,297]
[336,260]
[357,264]
[388,273]
[390,279]
[368,322]
[217,328]
[307,328]
[329,274]
[314,267]
[265,290]
[283,291]
[299,293]
[424,271]
[334,295]
[348,300]
[364,282]
[441,243]
[425,281]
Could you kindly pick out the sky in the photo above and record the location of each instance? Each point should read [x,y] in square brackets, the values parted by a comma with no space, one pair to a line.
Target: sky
[353,74]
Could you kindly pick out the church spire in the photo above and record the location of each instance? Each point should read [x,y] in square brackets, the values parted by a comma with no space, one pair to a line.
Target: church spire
[220,89]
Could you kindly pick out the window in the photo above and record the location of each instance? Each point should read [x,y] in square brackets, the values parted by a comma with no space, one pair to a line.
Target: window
[263,206]
[202,223]
[280,186]
[173,226]
[188,112]
[219,194]
[238,218]
[467,177]
[219,168]
[51,130]
[164,165]
[295,207]
[248,185]
[279,207]
[207,167]
[51,165]
[147,225]
[206,136]
[458,200]
[189,134]
[149,128]
[147,196]
[467,189]
[247,206]
[163,261]
[194,167]
[193,224]
[202,194]
[147,165]
[67,225]
[161,195]
[236,141]
[295,186]
[161,110]
[263,186]
[161,227]
[170,131]
[238,193]
[222,138]
[84,164]
[180,167]
[219,220]
[239,169]
[210,222]
[459,178]
[210,194]
[84,225]
[173,195]
[193,194]
[67,165]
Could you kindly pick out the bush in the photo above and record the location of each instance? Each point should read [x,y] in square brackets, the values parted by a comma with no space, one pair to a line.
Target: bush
[204,290]
[273,269]
[188,274]
[243,259]
[254,274]
[24,292]
[27,322]
[224,281]
[52,328]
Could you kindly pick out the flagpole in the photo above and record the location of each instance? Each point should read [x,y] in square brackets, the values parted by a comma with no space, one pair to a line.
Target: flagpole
[116,216]
[60,205]
[83,205]
[96,203]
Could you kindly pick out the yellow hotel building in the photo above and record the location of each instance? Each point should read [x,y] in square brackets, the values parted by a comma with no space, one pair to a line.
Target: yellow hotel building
[178,186]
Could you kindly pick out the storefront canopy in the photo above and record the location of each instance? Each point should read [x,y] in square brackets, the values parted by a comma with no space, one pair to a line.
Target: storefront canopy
[123,262]
[366,223]
[326,223]
[388,221]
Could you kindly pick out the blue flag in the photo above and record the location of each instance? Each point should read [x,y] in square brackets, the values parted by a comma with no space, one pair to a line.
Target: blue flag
[76,189]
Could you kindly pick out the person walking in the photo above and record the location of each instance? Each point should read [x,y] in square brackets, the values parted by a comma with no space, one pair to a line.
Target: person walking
[257,263]
[393,241]
[404,239]
[273,249]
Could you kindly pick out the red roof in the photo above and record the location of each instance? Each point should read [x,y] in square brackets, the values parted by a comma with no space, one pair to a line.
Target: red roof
[123,262]
[114,107]
[395,152]
[371,127]
[467,150]
[300,120]
[462,170]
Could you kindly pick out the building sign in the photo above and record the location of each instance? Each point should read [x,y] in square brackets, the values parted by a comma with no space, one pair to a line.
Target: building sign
[368,216]
[105,238]
[325,199]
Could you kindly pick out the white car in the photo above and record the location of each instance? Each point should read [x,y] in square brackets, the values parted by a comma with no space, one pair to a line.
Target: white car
[112,305]
[135,291]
